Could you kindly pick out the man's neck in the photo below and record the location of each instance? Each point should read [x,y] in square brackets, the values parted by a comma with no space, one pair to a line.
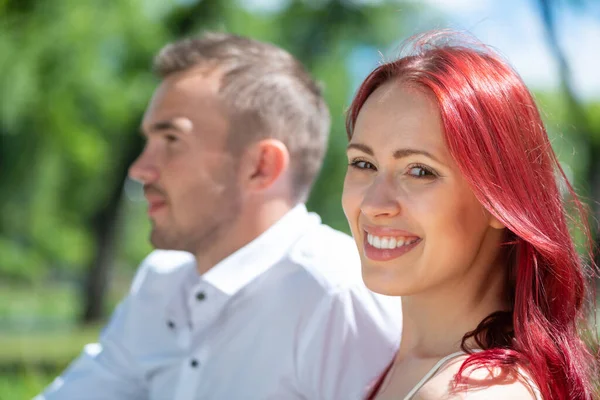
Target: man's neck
[252,223]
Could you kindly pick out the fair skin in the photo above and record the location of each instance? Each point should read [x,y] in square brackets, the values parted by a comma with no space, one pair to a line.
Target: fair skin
[423,235]
[201,197]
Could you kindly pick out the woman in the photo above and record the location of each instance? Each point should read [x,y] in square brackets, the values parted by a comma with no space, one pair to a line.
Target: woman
[452,197]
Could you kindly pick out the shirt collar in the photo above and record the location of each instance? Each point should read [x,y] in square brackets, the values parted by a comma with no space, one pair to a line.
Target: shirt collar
[240,268]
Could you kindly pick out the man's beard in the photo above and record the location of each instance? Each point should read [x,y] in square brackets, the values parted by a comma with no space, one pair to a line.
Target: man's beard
[208,229]
[200,238]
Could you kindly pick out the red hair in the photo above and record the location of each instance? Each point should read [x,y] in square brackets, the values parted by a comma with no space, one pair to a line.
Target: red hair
[495,134]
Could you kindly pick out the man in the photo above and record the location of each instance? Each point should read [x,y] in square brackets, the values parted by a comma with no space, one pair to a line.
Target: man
[259,300]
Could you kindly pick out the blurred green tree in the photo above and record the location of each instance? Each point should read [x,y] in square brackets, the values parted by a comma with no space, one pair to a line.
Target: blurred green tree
[74,87]
[586,134]
[75,78]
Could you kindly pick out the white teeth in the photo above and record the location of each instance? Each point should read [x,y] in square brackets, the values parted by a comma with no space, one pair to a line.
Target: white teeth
[384,243]
[392,243]
[389,242]
[377,242]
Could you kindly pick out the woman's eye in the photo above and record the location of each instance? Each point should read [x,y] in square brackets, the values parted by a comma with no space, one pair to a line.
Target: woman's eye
[361,164]
[419,171]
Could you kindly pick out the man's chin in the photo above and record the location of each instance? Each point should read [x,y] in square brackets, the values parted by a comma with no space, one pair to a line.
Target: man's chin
[160,242]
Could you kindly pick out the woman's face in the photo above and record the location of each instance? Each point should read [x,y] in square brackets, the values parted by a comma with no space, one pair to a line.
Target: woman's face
[416,222]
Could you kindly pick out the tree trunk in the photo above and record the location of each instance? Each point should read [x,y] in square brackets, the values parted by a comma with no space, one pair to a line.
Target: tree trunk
[579,118]
[104,225]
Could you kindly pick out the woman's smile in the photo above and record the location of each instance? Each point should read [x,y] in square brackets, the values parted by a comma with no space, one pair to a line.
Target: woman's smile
[384,244]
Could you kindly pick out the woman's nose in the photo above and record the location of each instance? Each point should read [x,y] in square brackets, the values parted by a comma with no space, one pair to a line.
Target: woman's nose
[380,200]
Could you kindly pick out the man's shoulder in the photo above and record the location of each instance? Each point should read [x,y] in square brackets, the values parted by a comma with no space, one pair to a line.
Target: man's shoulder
[163,268]
[329,257]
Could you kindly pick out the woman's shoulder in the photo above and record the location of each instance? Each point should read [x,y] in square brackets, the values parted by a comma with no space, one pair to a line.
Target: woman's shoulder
[480,384]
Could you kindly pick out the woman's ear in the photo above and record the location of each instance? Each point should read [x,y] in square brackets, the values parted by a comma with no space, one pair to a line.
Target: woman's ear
[264,163]
[496,223]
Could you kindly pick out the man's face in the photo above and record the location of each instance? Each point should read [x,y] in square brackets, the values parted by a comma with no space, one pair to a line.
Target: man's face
[189,175]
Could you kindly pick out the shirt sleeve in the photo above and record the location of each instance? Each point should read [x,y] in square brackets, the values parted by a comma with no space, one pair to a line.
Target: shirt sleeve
[104,370]
[350,339]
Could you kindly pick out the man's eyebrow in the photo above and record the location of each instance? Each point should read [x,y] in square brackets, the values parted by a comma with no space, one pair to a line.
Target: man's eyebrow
[398,154]
[161,126]
[164,126]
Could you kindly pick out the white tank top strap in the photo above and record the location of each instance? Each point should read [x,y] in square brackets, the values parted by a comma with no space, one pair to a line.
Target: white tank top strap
[432,372]
[536,391]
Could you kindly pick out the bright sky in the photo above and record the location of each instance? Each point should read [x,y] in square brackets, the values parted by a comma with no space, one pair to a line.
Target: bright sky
[514,27]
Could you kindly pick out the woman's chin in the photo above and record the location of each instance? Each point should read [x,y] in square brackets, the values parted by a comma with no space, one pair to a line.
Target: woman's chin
[381,283]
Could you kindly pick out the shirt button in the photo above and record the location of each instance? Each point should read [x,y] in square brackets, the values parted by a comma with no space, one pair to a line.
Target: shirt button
[194,363]
[200,296]
[171,324]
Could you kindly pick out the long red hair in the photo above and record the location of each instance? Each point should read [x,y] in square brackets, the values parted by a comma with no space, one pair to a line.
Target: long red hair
[495,134]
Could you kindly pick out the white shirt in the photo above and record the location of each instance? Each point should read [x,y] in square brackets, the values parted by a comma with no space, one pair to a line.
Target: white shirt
[285,317]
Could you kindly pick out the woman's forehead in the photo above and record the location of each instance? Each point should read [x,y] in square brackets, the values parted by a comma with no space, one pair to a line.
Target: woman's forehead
[396,113]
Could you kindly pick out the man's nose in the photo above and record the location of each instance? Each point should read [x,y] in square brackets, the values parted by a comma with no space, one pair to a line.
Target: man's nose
[143,169]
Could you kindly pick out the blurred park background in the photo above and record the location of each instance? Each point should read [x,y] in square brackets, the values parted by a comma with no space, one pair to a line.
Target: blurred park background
[75,79]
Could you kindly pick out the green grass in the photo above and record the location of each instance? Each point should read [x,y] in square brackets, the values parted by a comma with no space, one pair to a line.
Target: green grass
[27,308]
[23,385]
[29,362]
[39,335]
[32,349]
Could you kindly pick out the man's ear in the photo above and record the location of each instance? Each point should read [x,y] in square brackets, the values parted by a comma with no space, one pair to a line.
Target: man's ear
[263,163]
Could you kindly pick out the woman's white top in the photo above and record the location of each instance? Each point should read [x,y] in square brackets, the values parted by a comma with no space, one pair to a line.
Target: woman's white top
[449,357]
[431,373]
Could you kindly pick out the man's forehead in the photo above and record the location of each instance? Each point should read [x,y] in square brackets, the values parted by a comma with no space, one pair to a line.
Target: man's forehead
[187,90]
[184,88]
[205,77]
[186,103]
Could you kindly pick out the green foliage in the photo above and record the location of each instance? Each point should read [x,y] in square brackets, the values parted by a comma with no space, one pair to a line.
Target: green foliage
[31,350]
[29,362]
[76,78]
[25,384]
[76,82]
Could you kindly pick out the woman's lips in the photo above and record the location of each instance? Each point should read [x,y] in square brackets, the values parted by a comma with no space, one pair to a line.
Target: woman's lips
[387,247]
